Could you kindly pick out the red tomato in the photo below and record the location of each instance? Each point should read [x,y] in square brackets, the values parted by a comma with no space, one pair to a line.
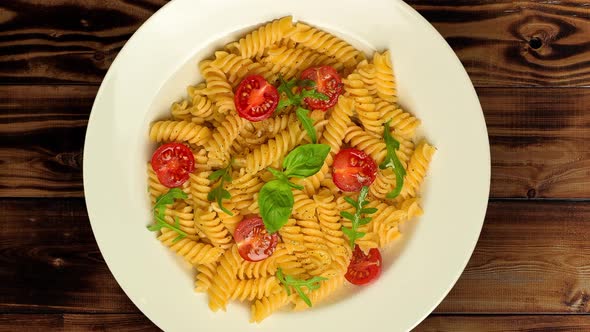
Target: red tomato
[327,82]
[254,242]
[364,268]
[255,98]
[353,169]
[173,164]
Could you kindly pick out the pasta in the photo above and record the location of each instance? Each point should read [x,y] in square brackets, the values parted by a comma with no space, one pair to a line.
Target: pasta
[232,156]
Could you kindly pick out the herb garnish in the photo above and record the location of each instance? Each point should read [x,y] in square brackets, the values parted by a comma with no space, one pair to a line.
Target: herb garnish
[392,161]
[356,219]
[160,213]
[289,281]
[307,90]
[218,193]
[275,198]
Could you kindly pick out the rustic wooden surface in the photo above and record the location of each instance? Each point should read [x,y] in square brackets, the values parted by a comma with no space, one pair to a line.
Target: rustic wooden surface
[529,61]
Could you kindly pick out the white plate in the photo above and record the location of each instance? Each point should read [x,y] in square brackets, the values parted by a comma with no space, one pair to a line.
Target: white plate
[153,70]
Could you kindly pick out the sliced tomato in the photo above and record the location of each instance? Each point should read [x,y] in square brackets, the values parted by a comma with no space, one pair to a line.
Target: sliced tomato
[364,268]
[255,98]
[353,169]
[173,164]
[328,82]
[254,241]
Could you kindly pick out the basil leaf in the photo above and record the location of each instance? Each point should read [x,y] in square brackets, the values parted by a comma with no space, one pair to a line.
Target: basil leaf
[305,160]
[307,122]
[279,175]
[275,201]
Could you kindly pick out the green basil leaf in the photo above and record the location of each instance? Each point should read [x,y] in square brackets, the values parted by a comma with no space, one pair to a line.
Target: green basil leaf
[279,175]
[275,201]
[307,122]
[305,160]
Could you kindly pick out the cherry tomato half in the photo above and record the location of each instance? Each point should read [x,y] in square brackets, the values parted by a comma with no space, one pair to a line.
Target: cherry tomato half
[327,82]
[364,268]
[173,164]
[254,242]
[255,98]
[353,169]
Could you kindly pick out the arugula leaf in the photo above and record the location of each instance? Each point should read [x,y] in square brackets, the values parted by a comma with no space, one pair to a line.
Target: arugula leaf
[160,213]
[392,161]
[289,281]
[275,200]
[356,218]
[218,193]
[313,93]
[307,122]
[305,160]
[296,99]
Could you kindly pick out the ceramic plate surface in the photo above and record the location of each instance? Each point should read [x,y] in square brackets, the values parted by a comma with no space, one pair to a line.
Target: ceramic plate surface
[153,70]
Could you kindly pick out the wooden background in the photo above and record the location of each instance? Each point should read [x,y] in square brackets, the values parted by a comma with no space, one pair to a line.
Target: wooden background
[530,63]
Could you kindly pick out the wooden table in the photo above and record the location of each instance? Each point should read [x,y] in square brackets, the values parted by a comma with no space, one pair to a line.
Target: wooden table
[530,63]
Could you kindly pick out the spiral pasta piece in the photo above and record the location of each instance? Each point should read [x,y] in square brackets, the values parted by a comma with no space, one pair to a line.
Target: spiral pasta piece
[263,268]
[292,237]
[179,131]
[329,218]
[416,170]
[225,279]
[255,289]
[386,87]
[254,43]
[267,305]
[402,124]
[213,228]
[368,142]
[184,214]
[243,189]
[326,43]
[236,68]
[205,275]
[273,151]
[219,145]
[192,251]
[290,62]
[218,88]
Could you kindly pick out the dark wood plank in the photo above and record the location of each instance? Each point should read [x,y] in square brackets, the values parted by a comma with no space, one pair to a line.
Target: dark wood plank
[531,257]
[540,140]
[42,132]
[50,260]
[61,41]
[499,323]
[501,43]
[516,43]
[76,322]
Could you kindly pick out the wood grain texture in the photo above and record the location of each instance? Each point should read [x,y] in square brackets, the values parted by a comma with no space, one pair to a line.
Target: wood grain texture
[42,132]
[531,257]
[76,323]
[51,261]
[540,140]
[516,43]
[66,41]
[501,43]
[499,323]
